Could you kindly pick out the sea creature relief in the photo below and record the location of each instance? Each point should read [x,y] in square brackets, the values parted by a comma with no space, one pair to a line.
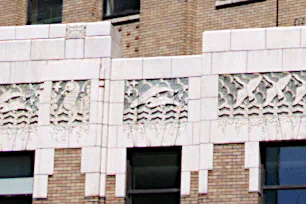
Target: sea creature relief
[70,102]
[262,94]
[156,101]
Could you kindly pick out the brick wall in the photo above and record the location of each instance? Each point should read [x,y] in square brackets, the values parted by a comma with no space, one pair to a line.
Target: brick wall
[110,192]
[67,184]
[292,12]
[228,182]
[13,12]
[162,27]
[81,11]
[129,39]
[193,198]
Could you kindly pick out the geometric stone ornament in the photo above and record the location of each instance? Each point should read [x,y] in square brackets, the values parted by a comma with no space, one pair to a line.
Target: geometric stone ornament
[70,101]
[19,105]
[156,101]
[76,31]
[262,95]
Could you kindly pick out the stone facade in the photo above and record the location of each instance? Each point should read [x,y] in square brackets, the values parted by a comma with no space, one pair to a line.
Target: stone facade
[181,23]
[80,108]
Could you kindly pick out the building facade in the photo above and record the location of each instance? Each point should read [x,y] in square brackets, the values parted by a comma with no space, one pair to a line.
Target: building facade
[89,114]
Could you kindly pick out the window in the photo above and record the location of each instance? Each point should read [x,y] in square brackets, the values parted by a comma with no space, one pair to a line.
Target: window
[16,177]
[284,173]
[154,175]
[118,8]
[44,11]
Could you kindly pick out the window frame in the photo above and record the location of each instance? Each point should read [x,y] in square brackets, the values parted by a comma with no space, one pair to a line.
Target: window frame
[42,22]
[118,14]
[263,147]
[130,191]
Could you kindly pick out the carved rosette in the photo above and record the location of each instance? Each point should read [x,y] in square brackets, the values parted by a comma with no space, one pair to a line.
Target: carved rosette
[76,31]
[70,102]
[262,95]
[156,101]
[19,105]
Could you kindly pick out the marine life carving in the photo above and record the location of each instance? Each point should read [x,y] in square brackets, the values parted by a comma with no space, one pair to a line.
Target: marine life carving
[156,101]
[70,102]
[19,104]
[76,31]
[266,94]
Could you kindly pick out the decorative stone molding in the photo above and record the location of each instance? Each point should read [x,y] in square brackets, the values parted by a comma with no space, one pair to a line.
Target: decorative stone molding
[19,105]
[156,101]
[262,95]
[70,102]
[76,31]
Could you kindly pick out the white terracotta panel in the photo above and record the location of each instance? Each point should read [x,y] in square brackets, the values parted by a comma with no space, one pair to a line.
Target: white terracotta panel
[194,89]
[48,49]
[216,41]
[209,86]
[92,184]
[5,76]
[90,161]
[283,37]
[196,133]
[252,155]
[265,61]
[157,67]
[183,66]
[72,69]
[194,115]
[57,31]
[44,114]
[209,108]
[120,185]
[51,137]
[190,158]
[98,47]
[127,68]
[44,162]
[102,185]
[205,132]
[116,114]
[229,131]
[206,156]
[112,136]
[184,134]
[248,39]
[116,161]
[203,181]
[185,183]
[32,31]
[7,32]
[294,59]
[254,180]
[117,92]
[40,188]
[102,29]
[26,72]
[229,62]
[125,137]
[18,50]
[206,63]
[45,95]
[74,48]
[103,160]
[106,65]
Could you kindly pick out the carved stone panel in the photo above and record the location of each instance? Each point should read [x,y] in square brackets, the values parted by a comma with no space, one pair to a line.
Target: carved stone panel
[70,102]
[19,105]
[261,95]
[76,31]
[156,101]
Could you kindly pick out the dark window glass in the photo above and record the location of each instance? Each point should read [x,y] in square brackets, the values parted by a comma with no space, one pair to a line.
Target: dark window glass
[44,11]
[154,175]
[169,198]
[16,164]
[117,8]
[285,173]
[16,200]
